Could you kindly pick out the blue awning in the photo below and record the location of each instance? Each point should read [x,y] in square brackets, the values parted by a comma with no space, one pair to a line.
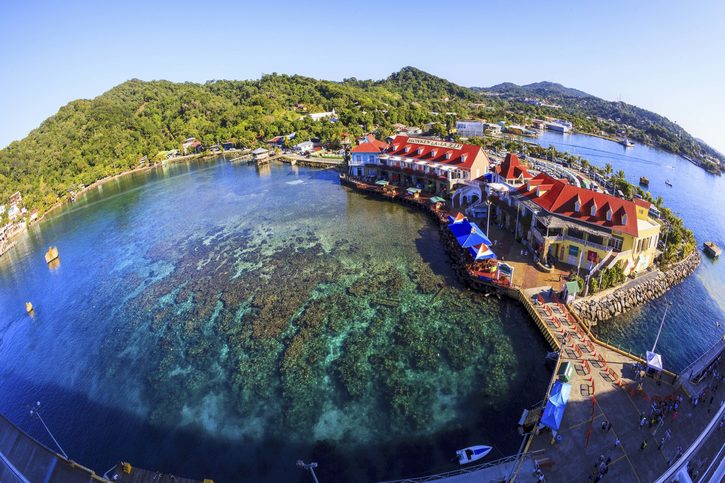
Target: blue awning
[556,405]
[460,229]
[474,237]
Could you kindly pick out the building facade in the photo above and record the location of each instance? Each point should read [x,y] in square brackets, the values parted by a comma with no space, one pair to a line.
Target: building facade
[584,228]
[469,128]
[429,164]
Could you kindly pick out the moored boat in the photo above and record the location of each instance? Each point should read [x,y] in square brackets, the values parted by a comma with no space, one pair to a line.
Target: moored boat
[643,181]
[711,249]
[668,183]
[29,307]
[51,254]
[472,453]
[626,143]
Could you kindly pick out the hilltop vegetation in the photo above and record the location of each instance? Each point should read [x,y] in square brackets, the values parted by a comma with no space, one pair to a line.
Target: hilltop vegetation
[91,139]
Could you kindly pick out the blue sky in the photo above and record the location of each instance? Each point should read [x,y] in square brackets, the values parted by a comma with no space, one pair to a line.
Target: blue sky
[665,56]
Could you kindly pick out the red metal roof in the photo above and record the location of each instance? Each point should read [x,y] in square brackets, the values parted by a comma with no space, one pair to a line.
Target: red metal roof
[511,168]
[557,196]
[458,155]
[370,145]
[367,148]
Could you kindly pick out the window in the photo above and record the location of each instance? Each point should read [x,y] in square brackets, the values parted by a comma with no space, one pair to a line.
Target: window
[407,149]
[420,151]
[609,215]
[463,158]
[573,251]
[615,243]
[448,155]
[593,211]
[433,153]
[624,219]
[577,206]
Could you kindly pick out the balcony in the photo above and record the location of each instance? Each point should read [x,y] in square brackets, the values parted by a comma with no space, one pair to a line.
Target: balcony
[586,243]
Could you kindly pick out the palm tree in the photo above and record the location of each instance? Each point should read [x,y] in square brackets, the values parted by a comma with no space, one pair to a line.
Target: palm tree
[608,169]
[620,174]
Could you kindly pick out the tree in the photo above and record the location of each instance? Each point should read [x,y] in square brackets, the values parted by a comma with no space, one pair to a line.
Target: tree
[608,169]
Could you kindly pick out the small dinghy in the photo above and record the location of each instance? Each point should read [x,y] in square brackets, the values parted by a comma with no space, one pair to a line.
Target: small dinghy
[472,453]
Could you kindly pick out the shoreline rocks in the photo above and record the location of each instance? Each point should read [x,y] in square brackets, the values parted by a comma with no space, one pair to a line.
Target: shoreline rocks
[597,309]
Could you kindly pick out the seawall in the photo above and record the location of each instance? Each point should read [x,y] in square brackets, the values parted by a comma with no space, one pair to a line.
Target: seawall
[598,308]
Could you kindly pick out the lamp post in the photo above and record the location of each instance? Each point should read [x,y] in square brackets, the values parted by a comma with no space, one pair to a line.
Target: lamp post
[488,215]
[35,410]
[310,467]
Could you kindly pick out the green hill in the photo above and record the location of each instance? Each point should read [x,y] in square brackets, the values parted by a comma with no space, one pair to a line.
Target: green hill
[91,139]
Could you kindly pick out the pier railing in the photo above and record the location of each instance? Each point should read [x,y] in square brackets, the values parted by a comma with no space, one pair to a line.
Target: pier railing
[461,471]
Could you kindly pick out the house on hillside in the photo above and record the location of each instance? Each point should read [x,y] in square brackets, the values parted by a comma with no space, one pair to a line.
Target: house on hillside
[304,147]
[318,116]
[468,129]
[192,145]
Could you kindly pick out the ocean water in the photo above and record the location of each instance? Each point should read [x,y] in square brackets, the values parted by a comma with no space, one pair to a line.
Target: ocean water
[218,320]
[698,197]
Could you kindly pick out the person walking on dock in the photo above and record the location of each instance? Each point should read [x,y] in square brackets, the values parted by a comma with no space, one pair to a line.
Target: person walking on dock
[617,442]
[642,422]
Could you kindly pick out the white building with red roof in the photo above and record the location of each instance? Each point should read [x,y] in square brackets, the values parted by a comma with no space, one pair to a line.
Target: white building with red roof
[511,172]
[585,228]
[429,164]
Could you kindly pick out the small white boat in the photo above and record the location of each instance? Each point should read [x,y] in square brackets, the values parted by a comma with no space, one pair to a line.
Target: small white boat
[472,453]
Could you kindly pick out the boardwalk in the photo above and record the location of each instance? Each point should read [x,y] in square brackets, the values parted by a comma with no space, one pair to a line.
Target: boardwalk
[608,386]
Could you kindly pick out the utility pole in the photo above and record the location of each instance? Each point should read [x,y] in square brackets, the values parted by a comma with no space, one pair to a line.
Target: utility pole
[310,467]
[35,410]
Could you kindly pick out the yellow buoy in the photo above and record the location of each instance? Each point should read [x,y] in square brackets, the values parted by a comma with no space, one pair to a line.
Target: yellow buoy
[29,307]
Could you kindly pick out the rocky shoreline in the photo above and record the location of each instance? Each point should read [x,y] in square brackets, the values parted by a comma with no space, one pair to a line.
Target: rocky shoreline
[597,308]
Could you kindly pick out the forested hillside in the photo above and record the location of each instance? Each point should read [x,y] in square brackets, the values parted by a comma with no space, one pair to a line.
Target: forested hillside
[90,139]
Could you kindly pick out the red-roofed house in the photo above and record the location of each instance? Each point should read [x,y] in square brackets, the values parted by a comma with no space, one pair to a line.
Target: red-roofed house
[432,165]
[584,228]
[512,172]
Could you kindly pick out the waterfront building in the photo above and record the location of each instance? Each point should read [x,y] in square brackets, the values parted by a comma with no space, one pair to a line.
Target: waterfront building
[559,125]
[304,147]
[469,128]
[583,228]
[429,164]
[511,172]
[260,154]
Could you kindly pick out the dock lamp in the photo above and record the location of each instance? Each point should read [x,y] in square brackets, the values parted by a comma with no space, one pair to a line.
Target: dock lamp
[309,466]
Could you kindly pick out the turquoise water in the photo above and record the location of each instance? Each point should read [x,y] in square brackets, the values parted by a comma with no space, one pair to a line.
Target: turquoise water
[699,198]
[214,320]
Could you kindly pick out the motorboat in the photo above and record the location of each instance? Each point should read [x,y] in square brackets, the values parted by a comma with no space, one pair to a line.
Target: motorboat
[711,249]
[668,183]
[51,254]
[472,453]
[643,181]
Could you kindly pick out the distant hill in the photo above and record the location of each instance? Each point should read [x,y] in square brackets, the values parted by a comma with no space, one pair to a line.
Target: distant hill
[89,139]
[544,89]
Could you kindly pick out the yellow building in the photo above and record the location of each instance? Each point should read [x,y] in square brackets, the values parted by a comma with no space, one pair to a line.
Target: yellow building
[584,228]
